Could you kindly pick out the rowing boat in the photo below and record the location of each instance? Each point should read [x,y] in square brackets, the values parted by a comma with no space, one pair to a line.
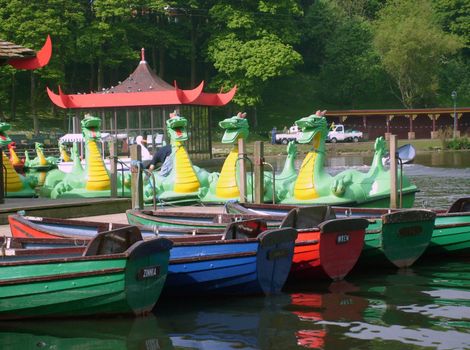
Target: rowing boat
[398,238]
[116,272]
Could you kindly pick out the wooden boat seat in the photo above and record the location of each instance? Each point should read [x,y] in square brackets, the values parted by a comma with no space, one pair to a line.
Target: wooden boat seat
[308,217]
[244,229]
[461,205]
[113,242]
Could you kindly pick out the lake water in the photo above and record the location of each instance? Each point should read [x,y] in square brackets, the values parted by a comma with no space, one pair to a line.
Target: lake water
[423,307]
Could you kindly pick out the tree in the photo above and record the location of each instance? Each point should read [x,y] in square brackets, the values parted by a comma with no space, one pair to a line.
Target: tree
[412,45]
[29,23]
[351,68]
[251,43]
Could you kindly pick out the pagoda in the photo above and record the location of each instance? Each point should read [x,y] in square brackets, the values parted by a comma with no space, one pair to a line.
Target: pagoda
[143,102]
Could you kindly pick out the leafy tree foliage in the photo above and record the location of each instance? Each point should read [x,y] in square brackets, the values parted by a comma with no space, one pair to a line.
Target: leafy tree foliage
[287,57]
[412,45]
[252,45]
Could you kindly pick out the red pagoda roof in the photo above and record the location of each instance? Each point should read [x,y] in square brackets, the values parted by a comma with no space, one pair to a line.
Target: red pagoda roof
[23,58]
[142,88]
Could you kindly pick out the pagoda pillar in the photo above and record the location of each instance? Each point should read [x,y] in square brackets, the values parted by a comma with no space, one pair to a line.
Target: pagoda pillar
[411,133]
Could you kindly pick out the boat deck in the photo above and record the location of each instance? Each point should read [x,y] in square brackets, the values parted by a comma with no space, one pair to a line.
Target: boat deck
[93,209]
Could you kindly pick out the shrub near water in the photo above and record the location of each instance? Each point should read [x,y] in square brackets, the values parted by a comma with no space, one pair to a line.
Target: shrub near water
[448,142]
[459,143]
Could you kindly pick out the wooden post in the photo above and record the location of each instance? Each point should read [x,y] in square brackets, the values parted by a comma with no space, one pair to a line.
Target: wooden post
[259,171]
[113,168]
[2,184]
[393,171]
[242,170]
[137,189]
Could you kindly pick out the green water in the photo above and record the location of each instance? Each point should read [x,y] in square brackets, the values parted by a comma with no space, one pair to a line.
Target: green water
[424,307]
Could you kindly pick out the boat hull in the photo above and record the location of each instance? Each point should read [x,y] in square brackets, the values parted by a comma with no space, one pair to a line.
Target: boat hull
[333,257]
[199,264]
[84,285]
[232,267]
[317,254]
[397,238]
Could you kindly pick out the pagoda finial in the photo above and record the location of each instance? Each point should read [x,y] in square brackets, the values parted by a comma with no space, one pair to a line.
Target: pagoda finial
[142,55]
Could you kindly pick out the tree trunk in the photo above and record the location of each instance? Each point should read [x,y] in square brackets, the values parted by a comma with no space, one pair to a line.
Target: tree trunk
[161,62]
[193,53]
[100,74]
[33,105]
[154,59]
[92,76]
[13,97]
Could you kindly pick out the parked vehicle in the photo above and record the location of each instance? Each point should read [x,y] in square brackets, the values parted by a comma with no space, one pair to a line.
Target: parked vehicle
[338,133]
[292,135]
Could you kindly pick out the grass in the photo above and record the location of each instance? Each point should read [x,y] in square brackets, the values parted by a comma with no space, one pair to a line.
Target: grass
[366,147]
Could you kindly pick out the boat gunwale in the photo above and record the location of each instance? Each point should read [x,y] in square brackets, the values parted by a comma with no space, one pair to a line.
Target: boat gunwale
[59,276]
[195,259]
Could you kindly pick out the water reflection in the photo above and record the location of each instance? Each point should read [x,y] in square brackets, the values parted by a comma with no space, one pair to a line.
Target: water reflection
[116,333]
[427,306]
[233,323]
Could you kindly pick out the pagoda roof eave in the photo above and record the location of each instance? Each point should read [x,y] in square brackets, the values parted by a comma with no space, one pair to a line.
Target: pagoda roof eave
[141,99]
[41,59]
[133,99]
[220,99]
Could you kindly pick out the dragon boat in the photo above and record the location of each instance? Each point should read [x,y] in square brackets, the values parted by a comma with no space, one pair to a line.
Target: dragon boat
[325,247]
[240,259]
[15,160]
[397,238]
[225,185]
[40,162]
[91,181]
[16,185]
[314,185]
[116,272]
[178,179]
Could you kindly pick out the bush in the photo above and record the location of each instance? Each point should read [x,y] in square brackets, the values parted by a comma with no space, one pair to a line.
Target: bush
[459,143]
[448,142]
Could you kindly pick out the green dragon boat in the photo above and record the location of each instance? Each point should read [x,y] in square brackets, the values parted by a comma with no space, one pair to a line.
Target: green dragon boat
[118,273]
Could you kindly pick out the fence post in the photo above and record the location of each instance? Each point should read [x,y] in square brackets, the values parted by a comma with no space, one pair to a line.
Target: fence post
[2,184]
[137,190]
[259,171]
[393,171]
[113,168]
[242,170]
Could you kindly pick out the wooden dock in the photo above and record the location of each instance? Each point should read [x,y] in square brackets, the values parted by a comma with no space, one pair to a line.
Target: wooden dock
[63,208]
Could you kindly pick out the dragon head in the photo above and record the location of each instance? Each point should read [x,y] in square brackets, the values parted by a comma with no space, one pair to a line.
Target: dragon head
[236,127]
[4,138]
[38,146]
[176,127]
[313,127]
[91,127]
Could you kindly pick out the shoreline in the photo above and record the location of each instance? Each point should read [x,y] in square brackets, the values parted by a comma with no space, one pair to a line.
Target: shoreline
[220,150]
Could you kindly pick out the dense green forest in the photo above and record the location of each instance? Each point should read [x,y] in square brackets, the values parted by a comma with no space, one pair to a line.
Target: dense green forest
[287,57]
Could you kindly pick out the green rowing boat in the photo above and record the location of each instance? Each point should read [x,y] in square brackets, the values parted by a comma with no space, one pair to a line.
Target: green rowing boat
[399,238]
[118,273]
